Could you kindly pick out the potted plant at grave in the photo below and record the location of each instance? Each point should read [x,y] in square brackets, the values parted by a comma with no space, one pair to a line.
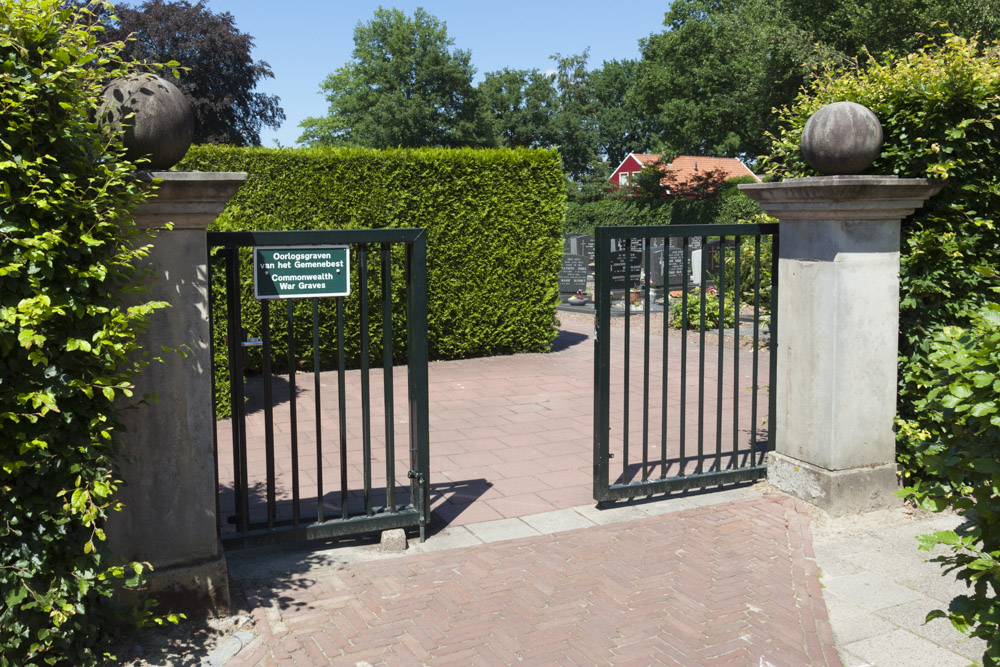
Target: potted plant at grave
[577,299]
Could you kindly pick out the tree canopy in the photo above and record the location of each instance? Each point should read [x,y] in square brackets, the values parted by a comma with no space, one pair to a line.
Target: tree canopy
[523,105]
[404,86]
[710,82]
[620,123]
[220,77]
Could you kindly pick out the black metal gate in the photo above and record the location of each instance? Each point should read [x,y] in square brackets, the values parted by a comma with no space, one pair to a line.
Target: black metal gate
[275,453]
[726,325]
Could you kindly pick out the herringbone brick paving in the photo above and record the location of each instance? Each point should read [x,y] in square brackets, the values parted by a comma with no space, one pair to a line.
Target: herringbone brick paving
[729,584]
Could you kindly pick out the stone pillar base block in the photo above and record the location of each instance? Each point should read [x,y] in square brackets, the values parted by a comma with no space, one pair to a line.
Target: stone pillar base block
[837,492]
[202,588]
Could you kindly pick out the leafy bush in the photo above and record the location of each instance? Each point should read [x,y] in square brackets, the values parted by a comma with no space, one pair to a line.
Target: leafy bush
[939,107]
[694,315]
[67,346]
[494,243]
[748,272]
[959,432]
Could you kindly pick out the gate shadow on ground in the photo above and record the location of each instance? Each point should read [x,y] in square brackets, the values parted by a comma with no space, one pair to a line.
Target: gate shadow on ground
[671,467]
[280,391]
[447,501]
[187,644]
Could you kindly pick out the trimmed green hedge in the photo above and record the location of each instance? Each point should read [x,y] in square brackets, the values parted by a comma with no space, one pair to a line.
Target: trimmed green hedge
[494,238]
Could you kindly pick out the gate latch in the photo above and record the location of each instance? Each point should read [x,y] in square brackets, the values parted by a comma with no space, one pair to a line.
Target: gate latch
[252,342]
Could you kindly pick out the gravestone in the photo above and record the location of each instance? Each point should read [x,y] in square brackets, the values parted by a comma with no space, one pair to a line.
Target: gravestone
[622,260]
[577,272]
[579,244]
[573,274]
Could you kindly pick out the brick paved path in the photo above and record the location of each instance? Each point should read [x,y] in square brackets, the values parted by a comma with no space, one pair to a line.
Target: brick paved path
[729,584]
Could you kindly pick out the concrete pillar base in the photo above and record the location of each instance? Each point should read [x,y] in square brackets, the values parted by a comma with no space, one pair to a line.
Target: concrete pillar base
[838,492]
[199,587]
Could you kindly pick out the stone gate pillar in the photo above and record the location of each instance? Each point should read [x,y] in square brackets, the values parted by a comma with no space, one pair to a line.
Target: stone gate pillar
[838,328]
[168,449]
[169,495]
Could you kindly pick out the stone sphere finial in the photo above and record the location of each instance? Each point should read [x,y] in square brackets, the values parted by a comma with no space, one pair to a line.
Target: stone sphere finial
[842,138]
[162,126]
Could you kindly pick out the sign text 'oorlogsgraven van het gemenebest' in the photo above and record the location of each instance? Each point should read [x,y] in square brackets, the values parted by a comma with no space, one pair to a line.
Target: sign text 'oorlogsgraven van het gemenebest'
[301,273]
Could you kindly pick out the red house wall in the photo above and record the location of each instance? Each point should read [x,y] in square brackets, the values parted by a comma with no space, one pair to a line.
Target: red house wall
[629,165]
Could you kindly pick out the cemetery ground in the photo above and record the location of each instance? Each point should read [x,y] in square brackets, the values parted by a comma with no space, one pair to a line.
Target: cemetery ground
[520,566]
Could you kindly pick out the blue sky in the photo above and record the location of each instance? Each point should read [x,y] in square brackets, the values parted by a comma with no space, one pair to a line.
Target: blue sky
[304,40]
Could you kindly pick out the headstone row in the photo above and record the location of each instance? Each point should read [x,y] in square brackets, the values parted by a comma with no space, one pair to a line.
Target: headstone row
[666,262]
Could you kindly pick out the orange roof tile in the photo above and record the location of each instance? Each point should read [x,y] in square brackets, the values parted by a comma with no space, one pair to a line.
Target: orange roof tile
[685,167]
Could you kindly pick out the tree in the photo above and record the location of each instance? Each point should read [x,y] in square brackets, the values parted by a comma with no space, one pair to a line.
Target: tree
[221,75]
[877,26]
[575,131]
[621,126]
[709,83]
[523,105]
[404,87]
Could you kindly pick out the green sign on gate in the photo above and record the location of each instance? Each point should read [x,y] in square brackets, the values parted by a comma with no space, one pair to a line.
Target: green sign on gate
[301,273]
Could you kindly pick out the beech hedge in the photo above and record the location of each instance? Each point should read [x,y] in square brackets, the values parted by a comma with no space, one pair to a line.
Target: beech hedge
[68,345]
[494,239]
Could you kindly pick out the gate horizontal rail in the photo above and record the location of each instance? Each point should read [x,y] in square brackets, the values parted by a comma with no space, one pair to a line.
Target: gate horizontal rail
[670,456]
[262,497]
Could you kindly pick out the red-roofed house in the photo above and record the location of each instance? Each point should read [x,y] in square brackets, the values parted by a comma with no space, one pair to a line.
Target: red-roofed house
[683,169]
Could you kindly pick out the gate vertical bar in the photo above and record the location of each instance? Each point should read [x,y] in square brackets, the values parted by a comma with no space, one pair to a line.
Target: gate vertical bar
[602,364]
[666,375]
[701,356]
[292,413]
[644,294]
[416,342]
[241,480]
[720,364]
[772,399]
[387,388]
[319,426]
[685,285]
[366,408]
[215,422]
[342,410]
[756,347]
[265,325]
[736,352]
[628,340]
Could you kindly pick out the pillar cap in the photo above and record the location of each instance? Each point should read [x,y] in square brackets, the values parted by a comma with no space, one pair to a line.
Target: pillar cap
[188,199]
[860,198]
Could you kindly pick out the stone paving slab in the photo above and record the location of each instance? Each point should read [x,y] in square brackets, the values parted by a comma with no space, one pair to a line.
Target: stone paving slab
[879,587]
[717,584]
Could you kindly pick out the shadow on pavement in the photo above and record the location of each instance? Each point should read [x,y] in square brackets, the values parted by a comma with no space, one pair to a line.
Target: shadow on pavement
[567,339]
